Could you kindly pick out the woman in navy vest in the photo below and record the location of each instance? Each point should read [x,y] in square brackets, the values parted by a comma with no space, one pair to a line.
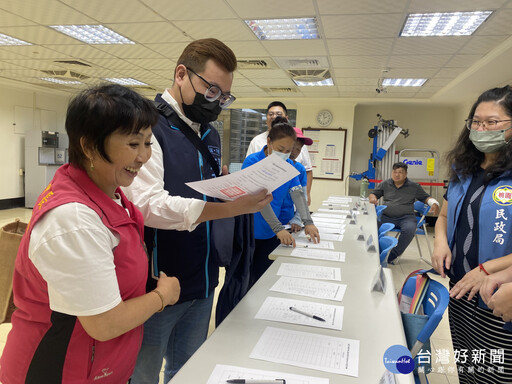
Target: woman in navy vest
[269,232]
[472,237]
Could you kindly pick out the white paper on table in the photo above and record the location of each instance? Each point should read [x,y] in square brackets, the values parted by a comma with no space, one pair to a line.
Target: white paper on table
[278,309]
[310,288]
[337,205]
[308,350]
[309,244]
[325,220]
[309,271]
[338,229]
[318,254]
[327,210]
[329,215]
[323,236]
[269,173]
[222,372]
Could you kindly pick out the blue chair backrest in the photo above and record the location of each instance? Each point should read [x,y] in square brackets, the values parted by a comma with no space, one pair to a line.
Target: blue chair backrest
[434,305]
[385,228]
[422,209]
[386,243]
[379,209]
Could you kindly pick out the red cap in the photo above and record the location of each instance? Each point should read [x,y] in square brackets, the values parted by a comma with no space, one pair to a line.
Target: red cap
[300,135]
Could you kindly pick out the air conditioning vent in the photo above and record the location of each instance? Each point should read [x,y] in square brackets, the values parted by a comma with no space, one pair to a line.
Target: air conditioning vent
[265,63]
[302,62]
[309,75]
[280,90]
[72,62]
[64,74]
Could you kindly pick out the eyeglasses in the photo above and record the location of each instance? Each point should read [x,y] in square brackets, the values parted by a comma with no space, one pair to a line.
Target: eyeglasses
[472,124]
[276,114]
[213,92]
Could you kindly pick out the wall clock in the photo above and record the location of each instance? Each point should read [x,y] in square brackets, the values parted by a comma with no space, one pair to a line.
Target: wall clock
[324,118]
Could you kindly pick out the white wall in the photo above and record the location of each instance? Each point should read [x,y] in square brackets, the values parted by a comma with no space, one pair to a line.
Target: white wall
[24,107]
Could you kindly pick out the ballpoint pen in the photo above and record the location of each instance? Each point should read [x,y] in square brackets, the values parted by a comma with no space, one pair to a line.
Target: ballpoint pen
[306,314]
[256,381]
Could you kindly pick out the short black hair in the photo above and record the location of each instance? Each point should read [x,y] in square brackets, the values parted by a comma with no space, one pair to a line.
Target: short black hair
[277,104]
[400,165]
[97,112]
[281,128]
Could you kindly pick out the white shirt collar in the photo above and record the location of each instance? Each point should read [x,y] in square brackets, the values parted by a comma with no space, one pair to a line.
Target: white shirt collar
[174,104]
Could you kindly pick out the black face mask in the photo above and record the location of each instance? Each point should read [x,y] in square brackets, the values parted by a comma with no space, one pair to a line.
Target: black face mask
[201,110]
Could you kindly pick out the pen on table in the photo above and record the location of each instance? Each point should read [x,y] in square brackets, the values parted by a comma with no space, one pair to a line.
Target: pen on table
[306,314]
[256,381]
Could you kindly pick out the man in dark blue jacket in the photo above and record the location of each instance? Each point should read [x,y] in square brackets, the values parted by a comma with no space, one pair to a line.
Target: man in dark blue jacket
[202,84]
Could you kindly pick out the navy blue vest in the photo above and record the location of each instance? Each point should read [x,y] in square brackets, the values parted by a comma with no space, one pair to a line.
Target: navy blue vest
[186,255]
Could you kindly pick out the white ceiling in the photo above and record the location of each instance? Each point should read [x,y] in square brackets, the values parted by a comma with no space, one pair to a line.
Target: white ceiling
[359,38]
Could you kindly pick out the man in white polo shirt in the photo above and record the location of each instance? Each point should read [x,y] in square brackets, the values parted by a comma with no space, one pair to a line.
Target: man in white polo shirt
[275,109]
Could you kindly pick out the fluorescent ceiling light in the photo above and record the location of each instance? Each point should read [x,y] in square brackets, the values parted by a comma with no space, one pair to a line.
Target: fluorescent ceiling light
[125,81]
[60,81]
[284,29]
[403,82]
[323,83]
[92,34]
[8,40]
[444,24]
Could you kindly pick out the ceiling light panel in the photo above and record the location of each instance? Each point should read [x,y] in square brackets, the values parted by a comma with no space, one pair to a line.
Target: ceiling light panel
[444,24]
[284,29]
[8,40]
[403,82]
[92,34]
[60,81]
[125,81]
[323,83]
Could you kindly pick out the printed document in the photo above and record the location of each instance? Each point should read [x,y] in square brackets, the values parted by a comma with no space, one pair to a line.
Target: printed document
[221,373]
[318,254]
[324,236]
[310,288]
[269,173]
[308,350]
[278,309]
[309,271]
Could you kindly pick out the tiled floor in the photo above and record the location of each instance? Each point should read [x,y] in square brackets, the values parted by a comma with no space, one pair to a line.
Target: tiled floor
[440,341]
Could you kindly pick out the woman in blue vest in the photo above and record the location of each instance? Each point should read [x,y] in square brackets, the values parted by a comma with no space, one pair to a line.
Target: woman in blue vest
[269,232]
[472,237]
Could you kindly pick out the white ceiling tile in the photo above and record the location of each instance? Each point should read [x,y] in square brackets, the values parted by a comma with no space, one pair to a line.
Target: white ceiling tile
[276,83]
[353,72]
[161,64]
[271,9]
[247,49]
[482,44]
[12,53]
[362,26]
[417,73]
[36,52]
[240,81]
[359,46]
[463,61]
[114,64]
[365,81]
[49,12]
[170,50]
[156,32]
[450,72]
[7,19]
[196,10]
[330,7]
[421,6]
[130,51]
[79,51]
[35,64]
[359,61]
[224,30]
[249,92]
[319,91]
[115,11]
[259,74]
[295,47]
[425,45]
[418,61]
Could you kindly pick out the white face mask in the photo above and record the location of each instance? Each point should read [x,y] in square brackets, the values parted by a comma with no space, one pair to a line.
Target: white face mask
[284,156]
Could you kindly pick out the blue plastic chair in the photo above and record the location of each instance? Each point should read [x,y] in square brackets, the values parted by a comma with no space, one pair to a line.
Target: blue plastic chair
[421,210]
[385,228]
[434,303]
[386,244]
[379,209]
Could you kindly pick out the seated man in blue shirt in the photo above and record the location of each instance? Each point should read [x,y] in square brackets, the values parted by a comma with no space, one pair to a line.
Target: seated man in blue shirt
[399,195]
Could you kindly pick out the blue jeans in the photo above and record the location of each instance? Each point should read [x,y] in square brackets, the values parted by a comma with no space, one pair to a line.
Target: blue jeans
[407,225]
[175,333]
